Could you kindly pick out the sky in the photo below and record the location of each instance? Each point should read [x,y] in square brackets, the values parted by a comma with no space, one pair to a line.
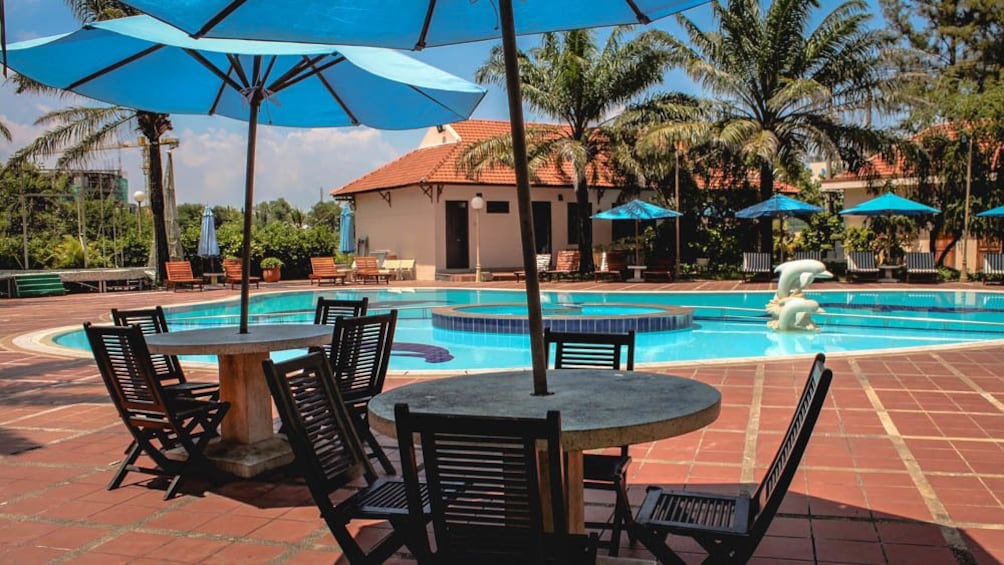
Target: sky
[300,165]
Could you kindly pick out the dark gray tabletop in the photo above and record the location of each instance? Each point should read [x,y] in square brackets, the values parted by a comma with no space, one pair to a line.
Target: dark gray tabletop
[599,408]
[227,341]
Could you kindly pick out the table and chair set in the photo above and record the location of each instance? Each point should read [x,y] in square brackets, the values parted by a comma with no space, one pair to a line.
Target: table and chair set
[488,471]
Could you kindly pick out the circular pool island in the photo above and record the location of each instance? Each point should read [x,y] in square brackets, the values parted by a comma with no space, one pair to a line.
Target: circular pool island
[511,318]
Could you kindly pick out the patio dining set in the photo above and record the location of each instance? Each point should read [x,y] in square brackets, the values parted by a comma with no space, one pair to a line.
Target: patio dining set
[488,471]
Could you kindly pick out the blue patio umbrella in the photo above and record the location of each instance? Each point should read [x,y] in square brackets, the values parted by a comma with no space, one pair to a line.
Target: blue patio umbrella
[415,24]
[888,205]
[143,63]
[347,230]
[637,210]
[208,246]
[997,212]
[778,206]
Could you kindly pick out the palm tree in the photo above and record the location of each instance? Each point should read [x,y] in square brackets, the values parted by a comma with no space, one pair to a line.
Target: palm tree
[77,132]
[573,80]
[5,132]
[783,90]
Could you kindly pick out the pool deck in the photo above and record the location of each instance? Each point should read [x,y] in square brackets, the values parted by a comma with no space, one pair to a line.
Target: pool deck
[906,464]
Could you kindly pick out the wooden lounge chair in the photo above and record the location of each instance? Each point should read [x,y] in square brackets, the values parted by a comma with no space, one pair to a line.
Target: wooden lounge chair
[167,367]
[729,528]
[565,264]
[600,471]
[359,357]
[367,270]
[861,265]
[814,255]
[180,273]
[755,265]
[543,262]
[921,264]
[323,269]
[612,266]
[486,485]
[330,456]
[158,422]
[993,267]
[232,271]
[659,268]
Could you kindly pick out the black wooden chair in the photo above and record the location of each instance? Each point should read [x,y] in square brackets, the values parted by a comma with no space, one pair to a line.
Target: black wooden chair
[729,528]
[359,358]
[328,452]
[599,471]
[157,422]
[487,483]
[167,368]
[330,309]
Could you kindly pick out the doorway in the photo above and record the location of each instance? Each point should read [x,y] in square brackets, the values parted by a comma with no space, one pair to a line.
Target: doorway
[542,226]
[457,244]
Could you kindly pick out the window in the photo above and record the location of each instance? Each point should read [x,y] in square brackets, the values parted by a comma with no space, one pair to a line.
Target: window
[497,207]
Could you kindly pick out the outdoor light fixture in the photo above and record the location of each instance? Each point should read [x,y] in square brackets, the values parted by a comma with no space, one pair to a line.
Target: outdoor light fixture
[139,196]
[477,203]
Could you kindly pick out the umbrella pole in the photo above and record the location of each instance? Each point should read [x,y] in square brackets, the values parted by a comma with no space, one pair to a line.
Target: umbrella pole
[637,256]
[534,316]
[255,102]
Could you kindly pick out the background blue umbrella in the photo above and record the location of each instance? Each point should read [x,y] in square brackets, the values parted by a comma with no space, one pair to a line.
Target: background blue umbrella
[637,210]
[778,206]
[347,230]
[997,212]
[145,64]
[415,24]
[208,246]
[888,205]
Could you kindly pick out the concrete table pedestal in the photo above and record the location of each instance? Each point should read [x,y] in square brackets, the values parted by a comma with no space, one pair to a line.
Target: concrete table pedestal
[637,273]
[599,408]
[889,273]
[249,446]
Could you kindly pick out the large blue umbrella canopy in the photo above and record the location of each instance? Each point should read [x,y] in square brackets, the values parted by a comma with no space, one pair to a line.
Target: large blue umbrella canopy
[145,64]
[778,205]
[997,212]
[347,230]
[637,210]
[890,204]
[208,246]
[415,24]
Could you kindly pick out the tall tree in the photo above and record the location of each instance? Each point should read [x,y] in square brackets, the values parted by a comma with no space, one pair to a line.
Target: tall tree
[781,89]
[572,79]
[77,132]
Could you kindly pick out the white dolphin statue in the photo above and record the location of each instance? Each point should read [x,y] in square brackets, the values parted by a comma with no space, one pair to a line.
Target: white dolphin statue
[795,276]
[795,314]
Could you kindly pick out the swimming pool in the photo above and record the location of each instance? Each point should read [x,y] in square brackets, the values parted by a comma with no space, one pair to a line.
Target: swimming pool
[725,324]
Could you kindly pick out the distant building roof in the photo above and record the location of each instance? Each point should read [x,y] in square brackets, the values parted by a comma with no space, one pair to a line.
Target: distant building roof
[436,163]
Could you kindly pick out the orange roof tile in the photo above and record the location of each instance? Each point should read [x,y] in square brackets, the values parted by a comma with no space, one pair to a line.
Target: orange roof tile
[438,165]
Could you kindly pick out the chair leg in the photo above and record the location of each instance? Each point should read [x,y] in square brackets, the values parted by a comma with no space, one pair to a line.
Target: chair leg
[378,451]
[133,453]
[655,542]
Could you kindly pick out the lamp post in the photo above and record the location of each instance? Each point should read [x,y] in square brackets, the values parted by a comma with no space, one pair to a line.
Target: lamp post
[964,272]
[140,196]
[477,203]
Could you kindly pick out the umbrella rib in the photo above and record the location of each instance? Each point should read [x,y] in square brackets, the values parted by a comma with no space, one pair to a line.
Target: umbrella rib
[420,44]
[642,18]
[296,73]
[334,94]
[225,77]
[115,66]
[235,62]
[434,100]
[220,16]
[220,91]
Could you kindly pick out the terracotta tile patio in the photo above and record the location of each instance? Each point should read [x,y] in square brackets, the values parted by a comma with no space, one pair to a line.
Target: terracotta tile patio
[906,465]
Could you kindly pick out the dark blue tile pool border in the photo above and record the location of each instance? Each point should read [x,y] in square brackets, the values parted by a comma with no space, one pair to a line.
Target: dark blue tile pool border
[668,318]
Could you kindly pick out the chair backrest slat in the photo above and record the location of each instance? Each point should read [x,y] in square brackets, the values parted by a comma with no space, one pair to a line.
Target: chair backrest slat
[590,350]
[367,264]
[324,266]
[756,262]
[485,488]
[767,499]
[814,255]
[317,425]
[920,261]
[152,321]
[861,261]
[179,271]
[568,260]
[360,354]
[543,262]
[124,363]
[993,263]
[329,309]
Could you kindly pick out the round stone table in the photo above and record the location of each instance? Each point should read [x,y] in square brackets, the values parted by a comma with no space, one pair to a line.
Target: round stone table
[249,445]
[599,408]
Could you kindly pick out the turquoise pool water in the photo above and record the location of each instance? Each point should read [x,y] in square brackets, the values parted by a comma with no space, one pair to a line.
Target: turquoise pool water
[726,324]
